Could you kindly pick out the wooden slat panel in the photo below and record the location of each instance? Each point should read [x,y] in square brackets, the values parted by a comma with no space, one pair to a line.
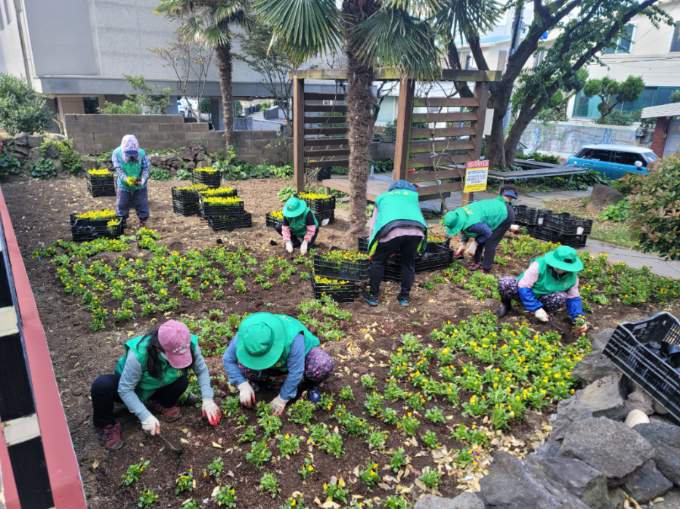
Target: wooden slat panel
[442,132]
[425,175]
[324,153]
[316,96]
[342,163]
[324,142]
[439,159]
[326,131]
[469,102]
[325,120]
[442,117]
[436,146]
[434,190]
[338,108]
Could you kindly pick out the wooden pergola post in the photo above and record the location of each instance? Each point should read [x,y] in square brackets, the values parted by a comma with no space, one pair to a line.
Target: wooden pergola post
[299,133]
[482,96]
[404,112]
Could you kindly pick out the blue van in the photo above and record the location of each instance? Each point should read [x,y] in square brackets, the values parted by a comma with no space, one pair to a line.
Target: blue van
[614,161]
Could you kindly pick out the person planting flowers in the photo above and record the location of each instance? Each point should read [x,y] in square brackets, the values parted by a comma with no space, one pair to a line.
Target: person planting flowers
[550,282]
[132,170]
[482,225]
[299,227]
[397,226]
[269,345]
[152,375]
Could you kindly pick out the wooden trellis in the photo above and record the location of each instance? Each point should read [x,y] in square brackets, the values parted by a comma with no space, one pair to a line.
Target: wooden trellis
[431,145]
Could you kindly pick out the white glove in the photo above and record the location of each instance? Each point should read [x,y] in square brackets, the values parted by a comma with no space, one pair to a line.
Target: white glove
[246,394]
[514,228]
[471,248]
[289,246]
[211,412]
[151,425]
[278,405]
[303,247]
[541,315]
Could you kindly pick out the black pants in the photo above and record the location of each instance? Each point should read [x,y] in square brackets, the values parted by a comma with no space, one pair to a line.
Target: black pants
[407,247]
[295,240]
[486,253]
[105,393]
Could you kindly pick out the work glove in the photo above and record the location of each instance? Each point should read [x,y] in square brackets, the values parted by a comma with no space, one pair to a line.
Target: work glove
[246,394]
[541,315]
[514,228]
[151,425]
[211,412]
[471,248]
[303,247]
[289,247]
[460,248]
[278,405]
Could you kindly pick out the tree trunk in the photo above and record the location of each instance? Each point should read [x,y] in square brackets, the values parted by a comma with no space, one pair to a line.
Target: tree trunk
[223,53]
[501,93]
[524,117]
[360,102]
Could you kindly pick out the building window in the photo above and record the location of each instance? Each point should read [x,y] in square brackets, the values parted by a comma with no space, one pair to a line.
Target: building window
[623,42]
[675,42]
[91,104]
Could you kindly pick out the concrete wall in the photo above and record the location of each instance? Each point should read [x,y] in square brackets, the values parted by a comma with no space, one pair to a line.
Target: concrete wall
[567,138]
[11,60]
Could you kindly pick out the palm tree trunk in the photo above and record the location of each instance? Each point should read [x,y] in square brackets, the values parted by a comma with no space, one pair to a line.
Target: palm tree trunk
[224,67]
[360,103]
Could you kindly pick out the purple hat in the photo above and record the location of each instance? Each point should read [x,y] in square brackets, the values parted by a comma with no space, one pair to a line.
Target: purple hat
[175,339]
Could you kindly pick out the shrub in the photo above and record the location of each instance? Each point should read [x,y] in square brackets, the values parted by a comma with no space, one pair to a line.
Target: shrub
[9,165]
[654,210]
[64,152]
[159,174]
[618,212]
[629,184]
[43,169]
[21,108]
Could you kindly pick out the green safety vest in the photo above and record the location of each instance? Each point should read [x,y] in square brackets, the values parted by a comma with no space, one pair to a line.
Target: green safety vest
[298,224]
[548,282]
[131,169]
[149,384]
[396,205]
[293,328]
[491,212]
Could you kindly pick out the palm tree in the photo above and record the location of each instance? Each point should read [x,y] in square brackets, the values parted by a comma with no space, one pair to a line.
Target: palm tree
[371,33]
[209,21]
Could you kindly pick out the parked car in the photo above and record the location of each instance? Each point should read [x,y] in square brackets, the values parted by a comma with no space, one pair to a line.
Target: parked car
[614,161]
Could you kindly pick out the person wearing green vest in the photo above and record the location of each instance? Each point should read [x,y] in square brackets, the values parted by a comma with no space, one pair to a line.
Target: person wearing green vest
[151,375]
[270,345]
[482,224]
[299,227]
[132,172]
[550,282]
[397,227]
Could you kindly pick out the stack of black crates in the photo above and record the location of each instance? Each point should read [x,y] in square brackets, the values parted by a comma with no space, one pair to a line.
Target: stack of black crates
[323,208]
[562,228]
[83,230]
[101,185]
[185,200]
[350,275]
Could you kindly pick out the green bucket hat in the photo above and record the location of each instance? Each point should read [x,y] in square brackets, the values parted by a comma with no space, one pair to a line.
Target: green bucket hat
[260,341]
[294,207]
[454,221]
[564,258]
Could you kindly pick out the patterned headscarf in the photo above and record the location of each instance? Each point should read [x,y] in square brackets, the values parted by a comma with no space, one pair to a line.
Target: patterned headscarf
[129,146]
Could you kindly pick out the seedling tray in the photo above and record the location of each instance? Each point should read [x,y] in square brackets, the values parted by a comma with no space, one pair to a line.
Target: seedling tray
[243,220]
[321,204]
[272,221]
[87,229]
[525,216]
[209,179]
[435,257]
[566,224]
[179,207]
[97,190]
[352,271]
[628,349]
[340,293]
[208,209]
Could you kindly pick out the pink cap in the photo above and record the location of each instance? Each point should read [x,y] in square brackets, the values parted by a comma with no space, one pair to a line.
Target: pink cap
[175,339]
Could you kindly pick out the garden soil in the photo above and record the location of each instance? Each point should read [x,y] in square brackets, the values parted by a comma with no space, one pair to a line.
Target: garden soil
[40,212]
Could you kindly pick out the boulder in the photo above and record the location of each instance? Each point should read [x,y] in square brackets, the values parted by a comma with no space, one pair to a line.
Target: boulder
[608,446]
[602,196]
[580,479]
[601,339]
[34,140]
[636,417]
[671,500]
[465,500]
[647,483]
[640,400]
[665,439]
[660,409]
[512,483]
[594,366]
[660,433]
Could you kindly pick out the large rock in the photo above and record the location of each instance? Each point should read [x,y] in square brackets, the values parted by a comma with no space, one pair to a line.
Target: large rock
[647,483]
[580,479]
[593,367]
[601,339]
[608,446]
[513,484]
[666,441]
[640,400]
[465,500]
[671,500]
[602,196]
[660,433]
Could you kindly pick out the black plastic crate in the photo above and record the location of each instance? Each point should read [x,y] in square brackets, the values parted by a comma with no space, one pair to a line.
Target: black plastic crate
[630,348]
[179,207]
[243,220]
[272,221]
[340,293]
[320,204]
[209,179]
[575,241]
[325,215]
[566,224]
[362,244]
[435,257]
[525,216]
[185,196]
[86,229]
[351,271]
[97,190]
[208,209]
[540,233]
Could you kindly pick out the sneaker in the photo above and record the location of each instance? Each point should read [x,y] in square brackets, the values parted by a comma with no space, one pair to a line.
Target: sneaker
[110,437]
[474,266]
[503,310]
[370,299]
[403,300]
[314,394]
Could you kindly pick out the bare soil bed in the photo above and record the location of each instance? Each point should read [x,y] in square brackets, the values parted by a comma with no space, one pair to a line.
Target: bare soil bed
[370,338]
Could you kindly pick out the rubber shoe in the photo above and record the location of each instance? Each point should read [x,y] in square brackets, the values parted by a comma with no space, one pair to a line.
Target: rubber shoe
[474,266]
[371,300]
[403,300]
[314,395]
[110,437]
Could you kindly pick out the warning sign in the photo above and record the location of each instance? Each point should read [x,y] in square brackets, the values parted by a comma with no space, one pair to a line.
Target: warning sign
[476,174]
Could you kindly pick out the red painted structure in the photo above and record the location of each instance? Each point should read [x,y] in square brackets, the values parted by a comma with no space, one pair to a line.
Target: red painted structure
[62,465]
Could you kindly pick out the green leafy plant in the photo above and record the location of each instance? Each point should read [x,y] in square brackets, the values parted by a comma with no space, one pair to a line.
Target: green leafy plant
[134,472]
[332,444]
[224,496]
[336,491]
[289,445]
[269,484]
[430,440]
[64,152]
[368,381]
[43,169]
[184,174]
[190,504]
[409,424]
[9,164]
[346,393]
[307,467]
[430,478]
[159,174]
[184,482]
[396,502]
[370,476]
[398,460]
[21,108]
[618,212]
[376,440]
[216,467]
[435,415]
[248,435]
[259,454]
[301,412]
[147,498]
[270,424]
